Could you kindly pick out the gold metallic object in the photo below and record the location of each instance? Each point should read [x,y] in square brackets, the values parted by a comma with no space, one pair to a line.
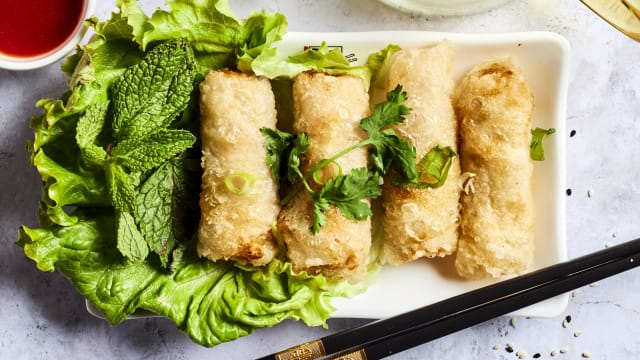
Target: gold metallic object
[306,351]
[353,355]
[624,15]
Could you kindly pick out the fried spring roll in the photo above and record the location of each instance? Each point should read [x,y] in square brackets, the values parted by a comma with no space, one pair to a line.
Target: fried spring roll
[424,222]
[494,105]
[239,197]
[329,109]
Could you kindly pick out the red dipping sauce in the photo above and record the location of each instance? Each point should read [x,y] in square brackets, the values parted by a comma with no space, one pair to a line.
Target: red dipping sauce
[31,28]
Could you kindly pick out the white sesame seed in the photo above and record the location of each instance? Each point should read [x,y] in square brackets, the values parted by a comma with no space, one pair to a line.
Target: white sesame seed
[575,293]
[577,333]
[521,354]
[496,347]
[595,284]
[554,353]
[564,351]
[589,192]
[565,323]
[608,245]
[615,234]
[586,354]
[513,321]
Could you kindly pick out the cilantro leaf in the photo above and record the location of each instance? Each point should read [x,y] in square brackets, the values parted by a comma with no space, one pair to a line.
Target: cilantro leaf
[389,113]
[346,192]
[147,152]
[390,151]
[538,134]
[283,145]
[149,95]
[130,242]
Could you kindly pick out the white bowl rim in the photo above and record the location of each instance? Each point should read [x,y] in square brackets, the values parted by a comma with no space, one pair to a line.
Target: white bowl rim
[442,8]
[29,63]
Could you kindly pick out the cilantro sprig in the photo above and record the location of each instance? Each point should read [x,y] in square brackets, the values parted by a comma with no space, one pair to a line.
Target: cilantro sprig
[348,192]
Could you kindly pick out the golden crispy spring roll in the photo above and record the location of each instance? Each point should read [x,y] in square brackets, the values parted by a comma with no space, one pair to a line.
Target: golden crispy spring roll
[494,105]
[424,222]
[329,109]
[239,198]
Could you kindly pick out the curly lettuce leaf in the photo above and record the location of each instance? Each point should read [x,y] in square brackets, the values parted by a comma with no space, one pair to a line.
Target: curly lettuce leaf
[378,63]
[211,302]
[322,59]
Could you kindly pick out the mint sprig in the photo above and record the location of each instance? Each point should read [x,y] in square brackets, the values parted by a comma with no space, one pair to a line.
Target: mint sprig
[147,99]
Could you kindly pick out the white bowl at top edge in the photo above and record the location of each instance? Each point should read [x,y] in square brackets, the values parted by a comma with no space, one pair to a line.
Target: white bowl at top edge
[29,63]
[444,7]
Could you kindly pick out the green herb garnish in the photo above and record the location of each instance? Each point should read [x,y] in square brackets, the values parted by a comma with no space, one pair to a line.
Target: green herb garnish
[349,191]
[538,134]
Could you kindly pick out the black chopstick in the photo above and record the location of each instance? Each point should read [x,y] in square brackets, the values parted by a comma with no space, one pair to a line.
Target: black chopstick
[384,337]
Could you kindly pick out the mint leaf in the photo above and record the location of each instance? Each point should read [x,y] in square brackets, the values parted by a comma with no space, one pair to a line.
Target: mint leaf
[149,95]
[147,152]
[121,187]
[87,130]
[130,242]
[536,149]
[91,123]
[347,192]
[165,203]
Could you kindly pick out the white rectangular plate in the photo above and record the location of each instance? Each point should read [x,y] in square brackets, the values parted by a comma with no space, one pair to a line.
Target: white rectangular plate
[544,59]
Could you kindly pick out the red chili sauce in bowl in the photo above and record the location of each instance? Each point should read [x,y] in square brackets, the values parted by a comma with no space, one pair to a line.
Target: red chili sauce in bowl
[33,28]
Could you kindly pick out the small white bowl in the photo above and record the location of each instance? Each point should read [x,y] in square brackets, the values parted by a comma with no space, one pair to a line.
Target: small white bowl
[444,7]
[28,63]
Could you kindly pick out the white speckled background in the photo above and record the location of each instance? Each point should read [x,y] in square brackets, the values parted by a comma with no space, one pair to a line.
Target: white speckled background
[41,315]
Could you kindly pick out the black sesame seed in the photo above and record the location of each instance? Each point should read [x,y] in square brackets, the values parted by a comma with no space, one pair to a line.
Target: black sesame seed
[572,133]
[536,355]
[509,350]
[568,192]
[568,318]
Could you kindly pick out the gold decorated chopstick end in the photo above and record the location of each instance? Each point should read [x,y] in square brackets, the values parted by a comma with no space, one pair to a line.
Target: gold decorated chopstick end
[307,351]
[351,355]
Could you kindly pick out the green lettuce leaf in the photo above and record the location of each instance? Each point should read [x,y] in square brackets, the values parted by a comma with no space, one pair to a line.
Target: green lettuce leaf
[102,196]
[378,63]
[211,302]
[322,59]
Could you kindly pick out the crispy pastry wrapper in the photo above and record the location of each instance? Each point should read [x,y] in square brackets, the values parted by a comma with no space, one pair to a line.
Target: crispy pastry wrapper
[494,105]
[239,198]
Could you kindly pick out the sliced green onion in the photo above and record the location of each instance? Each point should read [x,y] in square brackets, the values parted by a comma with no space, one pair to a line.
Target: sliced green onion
[239,183]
